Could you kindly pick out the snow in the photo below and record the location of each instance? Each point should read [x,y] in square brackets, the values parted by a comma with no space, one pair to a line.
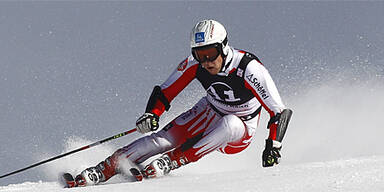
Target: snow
[73,73]
[357,174]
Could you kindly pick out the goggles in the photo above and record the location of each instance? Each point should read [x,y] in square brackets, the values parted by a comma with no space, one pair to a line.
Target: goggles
[206,53]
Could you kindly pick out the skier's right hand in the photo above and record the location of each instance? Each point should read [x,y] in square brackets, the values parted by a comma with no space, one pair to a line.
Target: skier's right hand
[147,122]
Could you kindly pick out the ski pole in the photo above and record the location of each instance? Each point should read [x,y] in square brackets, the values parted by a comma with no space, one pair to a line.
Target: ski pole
[71,152]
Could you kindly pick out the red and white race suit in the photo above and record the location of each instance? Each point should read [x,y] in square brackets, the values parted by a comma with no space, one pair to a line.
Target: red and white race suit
[225,119]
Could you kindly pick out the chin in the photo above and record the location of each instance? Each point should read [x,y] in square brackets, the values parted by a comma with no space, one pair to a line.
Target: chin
[213,73]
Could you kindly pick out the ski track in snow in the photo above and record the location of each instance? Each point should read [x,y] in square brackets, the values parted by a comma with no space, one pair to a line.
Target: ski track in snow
[358,174]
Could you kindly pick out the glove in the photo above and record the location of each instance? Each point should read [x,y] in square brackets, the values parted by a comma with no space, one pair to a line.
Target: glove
[271,153]
[147,122]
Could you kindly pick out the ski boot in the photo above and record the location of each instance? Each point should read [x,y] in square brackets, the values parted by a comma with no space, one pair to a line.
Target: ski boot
[90,176]
[160,166]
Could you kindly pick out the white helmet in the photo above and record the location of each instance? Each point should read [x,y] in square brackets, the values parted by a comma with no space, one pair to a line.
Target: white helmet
[209,32]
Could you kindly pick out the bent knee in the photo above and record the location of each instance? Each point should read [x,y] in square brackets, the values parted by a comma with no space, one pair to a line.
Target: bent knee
[233,121]
[234,126]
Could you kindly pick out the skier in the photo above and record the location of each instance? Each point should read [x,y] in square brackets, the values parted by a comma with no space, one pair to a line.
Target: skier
[238,86]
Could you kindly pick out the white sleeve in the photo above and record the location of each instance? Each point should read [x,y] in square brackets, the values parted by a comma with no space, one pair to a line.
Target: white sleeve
[260,82]
[185,71]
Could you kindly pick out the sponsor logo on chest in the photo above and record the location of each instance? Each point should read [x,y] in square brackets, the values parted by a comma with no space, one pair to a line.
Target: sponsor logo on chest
[222,92]
[257,85]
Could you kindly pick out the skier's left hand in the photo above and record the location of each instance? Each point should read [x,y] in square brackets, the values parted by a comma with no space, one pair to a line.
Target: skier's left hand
[271,153]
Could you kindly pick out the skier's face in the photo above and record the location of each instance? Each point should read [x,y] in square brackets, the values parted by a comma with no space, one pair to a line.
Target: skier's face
[213,67]
[210,58]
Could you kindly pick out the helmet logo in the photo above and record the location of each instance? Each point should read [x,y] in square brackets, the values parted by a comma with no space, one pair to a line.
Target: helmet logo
[211,33]
[199,37]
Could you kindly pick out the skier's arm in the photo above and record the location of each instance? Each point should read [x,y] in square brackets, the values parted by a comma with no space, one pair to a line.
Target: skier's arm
[162,96]
[259,81]
[176,82]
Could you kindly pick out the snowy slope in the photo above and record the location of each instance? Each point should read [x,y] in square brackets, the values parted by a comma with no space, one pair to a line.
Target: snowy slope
[72,73]
[358,174]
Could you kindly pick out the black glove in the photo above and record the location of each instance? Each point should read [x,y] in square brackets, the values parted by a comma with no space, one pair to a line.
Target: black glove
[147,122]
[271,153]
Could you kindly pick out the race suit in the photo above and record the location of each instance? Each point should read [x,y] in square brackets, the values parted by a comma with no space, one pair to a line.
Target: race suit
[224,120]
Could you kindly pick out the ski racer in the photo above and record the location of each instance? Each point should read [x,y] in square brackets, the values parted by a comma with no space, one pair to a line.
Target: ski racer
[237,85]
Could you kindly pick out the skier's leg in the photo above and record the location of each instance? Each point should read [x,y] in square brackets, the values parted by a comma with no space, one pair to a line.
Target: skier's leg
[229,135]
[136,152]
[186,125]
[243,143]
[229,131]
[186,129]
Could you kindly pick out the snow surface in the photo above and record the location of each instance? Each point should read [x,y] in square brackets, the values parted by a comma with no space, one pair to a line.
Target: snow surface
[72,73]
[358,174]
